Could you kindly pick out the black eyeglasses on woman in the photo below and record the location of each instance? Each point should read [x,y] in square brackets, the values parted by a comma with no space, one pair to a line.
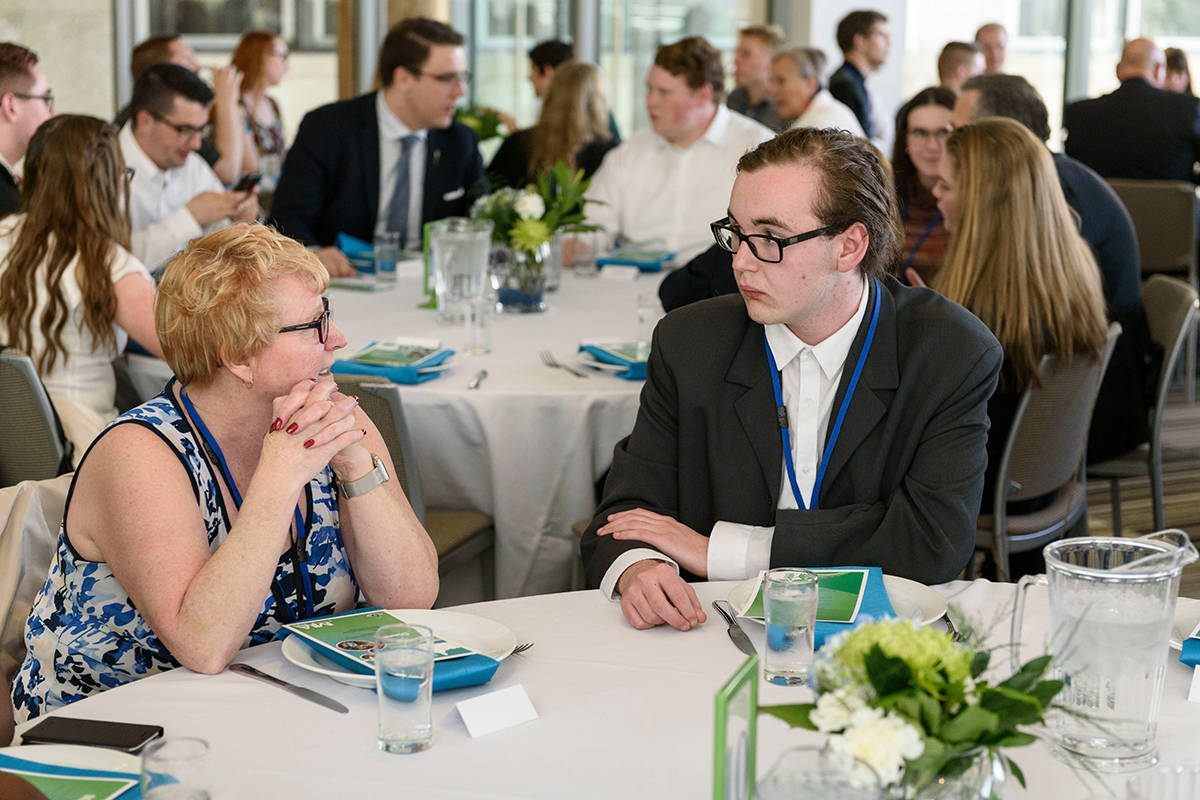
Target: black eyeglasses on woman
[321,323]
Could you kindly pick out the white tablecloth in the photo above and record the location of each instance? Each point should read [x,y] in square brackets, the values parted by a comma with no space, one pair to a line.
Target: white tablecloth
[530,444]
[622,713]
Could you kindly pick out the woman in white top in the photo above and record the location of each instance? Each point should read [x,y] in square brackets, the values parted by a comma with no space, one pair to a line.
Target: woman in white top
[795,86]
[70,291]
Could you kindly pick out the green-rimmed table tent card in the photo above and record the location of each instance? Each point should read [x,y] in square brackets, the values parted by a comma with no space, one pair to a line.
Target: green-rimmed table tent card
[736,733]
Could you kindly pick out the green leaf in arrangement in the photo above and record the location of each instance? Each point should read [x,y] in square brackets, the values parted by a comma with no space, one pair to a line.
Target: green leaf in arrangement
[1025,678]
[979,663]
[970,724]
[887,674]
[1046,691]
[795,715]
[1015,708]
[1016,771]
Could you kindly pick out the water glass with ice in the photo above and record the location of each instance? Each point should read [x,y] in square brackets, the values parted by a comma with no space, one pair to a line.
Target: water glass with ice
[387,251]
[790,604]
[459,249]
[176,769]
[404,684]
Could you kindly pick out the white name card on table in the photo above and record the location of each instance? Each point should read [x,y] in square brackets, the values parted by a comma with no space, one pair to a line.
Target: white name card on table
[496,711]
[1194,692]
[617,272]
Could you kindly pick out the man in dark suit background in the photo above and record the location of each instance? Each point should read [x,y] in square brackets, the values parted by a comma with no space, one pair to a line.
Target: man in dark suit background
[864,40]
[888,464]
[25,103]
[389,160]
[1140,130]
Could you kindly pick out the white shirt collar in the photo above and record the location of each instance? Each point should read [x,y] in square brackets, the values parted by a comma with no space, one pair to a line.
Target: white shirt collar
[391,128]
[830,353]
[135,156]
[4,163]
[714,134]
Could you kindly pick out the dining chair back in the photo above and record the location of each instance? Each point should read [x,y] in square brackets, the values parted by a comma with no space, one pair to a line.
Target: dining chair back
[459,535]
[32,443]
[1044,454]
[1171,308]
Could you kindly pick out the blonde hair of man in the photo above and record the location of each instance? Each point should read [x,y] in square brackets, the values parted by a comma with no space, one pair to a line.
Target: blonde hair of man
[1016,259]
[770,35]
[216,300]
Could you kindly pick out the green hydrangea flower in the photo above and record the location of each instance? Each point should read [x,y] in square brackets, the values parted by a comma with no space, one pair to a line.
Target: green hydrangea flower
[940,666]
[529,234]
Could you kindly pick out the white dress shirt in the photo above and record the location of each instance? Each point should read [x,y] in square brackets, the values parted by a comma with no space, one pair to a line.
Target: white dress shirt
[809,375]
[652,190]
[826,111]
[158,200]
[391,131]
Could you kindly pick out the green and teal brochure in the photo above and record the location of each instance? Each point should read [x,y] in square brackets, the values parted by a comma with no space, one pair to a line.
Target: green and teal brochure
[839,595]
[624,350]
[75,787]
[349,639]
[411,353]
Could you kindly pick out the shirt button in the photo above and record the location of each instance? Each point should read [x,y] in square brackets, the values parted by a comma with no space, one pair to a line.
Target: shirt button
[806,470]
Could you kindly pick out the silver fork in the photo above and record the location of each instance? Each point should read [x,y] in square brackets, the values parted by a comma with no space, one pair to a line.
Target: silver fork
[522,647]
[550,361]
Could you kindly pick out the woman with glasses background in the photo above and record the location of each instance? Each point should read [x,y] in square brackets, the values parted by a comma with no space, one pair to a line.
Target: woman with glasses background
[205,519]
[70,291]
[922,125]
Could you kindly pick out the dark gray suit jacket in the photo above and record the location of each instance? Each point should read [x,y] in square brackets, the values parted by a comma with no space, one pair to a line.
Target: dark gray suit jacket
[903,485]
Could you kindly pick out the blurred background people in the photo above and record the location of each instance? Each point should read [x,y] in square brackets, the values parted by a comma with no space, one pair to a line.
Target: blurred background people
[262,58]
[957,62]
[572,128]
[71,293]
[992,39]
[751,96]
[1179,76]
[922,125]
[864,40]
[26,101]
[799,97]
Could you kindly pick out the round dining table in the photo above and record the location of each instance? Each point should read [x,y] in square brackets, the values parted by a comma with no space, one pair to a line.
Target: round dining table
[530,443]
[620,712]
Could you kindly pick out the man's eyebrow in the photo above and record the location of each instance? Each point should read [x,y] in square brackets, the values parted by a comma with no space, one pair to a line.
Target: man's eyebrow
[773,222]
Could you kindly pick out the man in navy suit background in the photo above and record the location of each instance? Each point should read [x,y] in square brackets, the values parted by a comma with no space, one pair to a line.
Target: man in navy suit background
[388,160]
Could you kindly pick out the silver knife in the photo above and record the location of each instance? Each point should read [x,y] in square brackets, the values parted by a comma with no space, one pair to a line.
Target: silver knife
[299,691]
[736,633]
[478,379]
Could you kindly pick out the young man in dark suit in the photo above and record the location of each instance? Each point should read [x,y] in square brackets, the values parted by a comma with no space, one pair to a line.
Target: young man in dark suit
[882,390]
[864,41]
[389,160]
[25,103]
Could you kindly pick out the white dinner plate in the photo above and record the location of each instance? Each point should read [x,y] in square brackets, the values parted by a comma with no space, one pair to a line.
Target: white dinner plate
[909,599]
[482,635]
[1187,616]
[78,756]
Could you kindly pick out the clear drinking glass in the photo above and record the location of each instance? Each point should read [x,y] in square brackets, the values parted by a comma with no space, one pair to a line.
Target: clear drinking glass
[404,683]
[479,332]
[649,312]
[387,250]
[1166,783]
[580,250]
[790,604]
[805,773]
[176,769]
[459,249]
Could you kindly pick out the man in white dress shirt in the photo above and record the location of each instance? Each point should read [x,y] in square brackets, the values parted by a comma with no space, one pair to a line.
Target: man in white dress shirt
[796,86]
[174,195]
[661,187]
[25,103]
[878,390]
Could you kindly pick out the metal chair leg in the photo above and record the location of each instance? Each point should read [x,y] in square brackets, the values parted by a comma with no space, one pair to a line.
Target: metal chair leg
[1114,491]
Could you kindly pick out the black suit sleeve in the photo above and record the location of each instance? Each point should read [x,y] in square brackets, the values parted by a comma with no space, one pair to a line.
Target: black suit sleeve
[707,275]
[854,97]
[304,182]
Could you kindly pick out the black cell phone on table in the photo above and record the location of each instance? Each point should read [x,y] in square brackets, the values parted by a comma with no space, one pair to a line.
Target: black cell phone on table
[126,736]
[248,181]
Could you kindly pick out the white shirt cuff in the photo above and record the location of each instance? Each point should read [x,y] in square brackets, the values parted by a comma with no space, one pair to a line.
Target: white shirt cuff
[624,561]
[737,551]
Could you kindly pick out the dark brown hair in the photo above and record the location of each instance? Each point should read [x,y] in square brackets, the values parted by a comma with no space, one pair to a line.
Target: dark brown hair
[154,50]
[16,67]
[770,35]
[251,56]
[856,23]
[75,199]
[903,168]
[854,187]
[408,44]
[696,61]
[954,55]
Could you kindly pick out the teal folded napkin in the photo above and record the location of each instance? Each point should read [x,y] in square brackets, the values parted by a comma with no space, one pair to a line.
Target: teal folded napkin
[634,370]
[1190,654]
[361,254]
[453,673]
[12,764]
[411,373]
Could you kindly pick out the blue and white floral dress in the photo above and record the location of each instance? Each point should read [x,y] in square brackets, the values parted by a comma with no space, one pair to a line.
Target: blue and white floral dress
[84,634]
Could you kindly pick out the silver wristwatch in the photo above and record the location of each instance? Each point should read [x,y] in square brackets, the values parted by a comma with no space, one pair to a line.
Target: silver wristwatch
[366,483]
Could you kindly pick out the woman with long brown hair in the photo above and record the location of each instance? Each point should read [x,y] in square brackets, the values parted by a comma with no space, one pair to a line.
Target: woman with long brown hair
[1016,260]
[922,125]
[70,290]
[572,128]
[262,58]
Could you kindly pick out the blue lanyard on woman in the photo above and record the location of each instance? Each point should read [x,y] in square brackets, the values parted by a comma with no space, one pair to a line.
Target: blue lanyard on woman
[937,217]
[781,411]
[300,556]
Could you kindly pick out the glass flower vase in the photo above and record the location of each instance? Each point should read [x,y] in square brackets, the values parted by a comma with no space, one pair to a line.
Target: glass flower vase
[519,277]
[979,775]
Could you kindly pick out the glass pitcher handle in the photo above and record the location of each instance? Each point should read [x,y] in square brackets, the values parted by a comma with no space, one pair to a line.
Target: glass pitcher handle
[1018,616]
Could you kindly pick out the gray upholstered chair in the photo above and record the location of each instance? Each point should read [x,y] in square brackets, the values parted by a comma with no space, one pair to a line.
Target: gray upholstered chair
[1171,307]
[459,535]
[1044,453]
[32,443]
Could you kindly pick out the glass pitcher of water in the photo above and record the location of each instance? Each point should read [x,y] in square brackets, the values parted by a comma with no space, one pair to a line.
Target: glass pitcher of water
[1112,602]
[458,252]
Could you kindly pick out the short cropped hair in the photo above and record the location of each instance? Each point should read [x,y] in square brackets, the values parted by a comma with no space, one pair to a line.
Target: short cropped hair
[155,50]
[696,61]
[217,298]
[954,55]
[854,187]
[408,44]
[1013,97]
[856,23]
[770,35]
[809,61]
[550,53]
[155,91]
[16,67]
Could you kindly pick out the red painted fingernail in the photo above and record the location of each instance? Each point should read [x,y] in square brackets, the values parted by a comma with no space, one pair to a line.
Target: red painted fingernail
[308,444]
[276,425]
[314,380]
[364,431]
[354,397]
[293,428]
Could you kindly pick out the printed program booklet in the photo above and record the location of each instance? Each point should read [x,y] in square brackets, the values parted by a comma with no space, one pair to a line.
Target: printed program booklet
[412,353]
[839,595]
[75,787]
[349,639]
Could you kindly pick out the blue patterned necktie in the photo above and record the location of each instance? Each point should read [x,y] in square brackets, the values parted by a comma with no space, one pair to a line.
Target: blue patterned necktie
[398,210]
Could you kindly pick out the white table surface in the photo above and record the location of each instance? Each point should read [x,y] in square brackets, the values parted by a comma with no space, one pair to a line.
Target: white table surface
[622,713]
[528,446]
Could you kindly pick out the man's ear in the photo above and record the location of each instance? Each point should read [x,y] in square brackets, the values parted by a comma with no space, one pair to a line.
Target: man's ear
[853,248]
[704,95]
[8,107]
[142,118]
[402,78]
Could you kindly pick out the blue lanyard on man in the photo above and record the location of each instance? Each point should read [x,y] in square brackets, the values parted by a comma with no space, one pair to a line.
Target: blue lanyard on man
[301,556]
[781,411]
